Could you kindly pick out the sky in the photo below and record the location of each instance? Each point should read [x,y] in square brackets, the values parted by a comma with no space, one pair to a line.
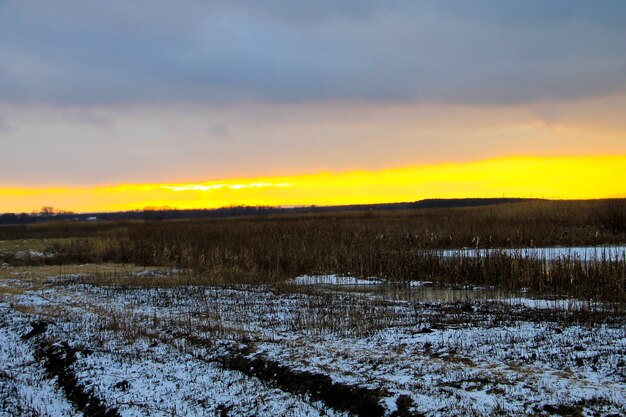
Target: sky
[104,105]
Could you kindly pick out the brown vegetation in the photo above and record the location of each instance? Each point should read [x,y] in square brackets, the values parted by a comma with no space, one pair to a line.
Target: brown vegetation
[396,245]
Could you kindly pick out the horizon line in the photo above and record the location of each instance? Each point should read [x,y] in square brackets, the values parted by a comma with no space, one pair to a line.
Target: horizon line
[562,177]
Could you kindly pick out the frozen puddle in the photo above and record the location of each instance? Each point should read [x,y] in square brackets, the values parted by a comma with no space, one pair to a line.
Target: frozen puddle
[421,291]
[583,253]
[425,292]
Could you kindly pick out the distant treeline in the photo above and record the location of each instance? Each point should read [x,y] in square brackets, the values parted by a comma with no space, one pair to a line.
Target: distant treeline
[49,213]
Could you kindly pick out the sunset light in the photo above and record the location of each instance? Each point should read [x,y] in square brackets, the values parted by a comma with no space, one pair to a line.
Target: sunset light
[529,177]
[217,104]
[312,208]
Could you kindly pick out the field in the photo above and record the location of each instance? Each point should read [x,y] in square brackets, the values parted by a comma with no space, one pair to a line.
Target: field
[403,313]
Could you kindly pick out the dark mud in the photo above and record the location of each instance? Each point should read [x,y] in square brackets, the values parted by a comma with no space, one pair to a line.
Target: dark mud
[58,359]
[358,401]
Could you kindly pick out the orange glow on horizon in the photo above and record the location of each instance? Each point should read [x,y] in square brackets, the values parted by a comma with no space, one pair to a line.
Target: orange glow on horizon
[540,177]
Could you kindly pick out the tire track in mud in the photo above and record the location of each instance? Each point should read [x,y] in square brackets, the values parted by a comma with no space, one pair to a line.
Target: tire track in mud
[353,399]
[58,359]
[359,401]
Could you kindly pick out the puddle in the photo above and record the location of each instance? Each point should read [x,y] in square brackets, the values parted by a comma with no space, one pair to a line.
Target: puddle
[425,292]
[435,294]
[410,291]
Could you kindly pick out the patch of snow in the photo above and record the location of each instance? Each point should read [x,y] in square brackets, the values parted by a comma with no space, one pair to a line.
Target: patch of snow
[30,254]
[155,273]
[67,278]
[584,253]
[420,284]
[334,280]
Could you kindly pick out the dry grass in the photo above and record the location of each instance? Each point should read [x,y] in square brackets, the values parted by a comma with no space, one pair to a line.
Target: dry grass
[36,273]
[39,245]
[396,245]
[17,280]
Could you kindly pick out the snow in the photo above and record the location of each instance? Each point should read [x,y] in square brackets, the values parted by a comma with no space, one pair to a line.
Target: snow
[334,280]
[420,283]
[24,387]
[156,351]
[67,278]
[165,382]
[584,253]
[30,254]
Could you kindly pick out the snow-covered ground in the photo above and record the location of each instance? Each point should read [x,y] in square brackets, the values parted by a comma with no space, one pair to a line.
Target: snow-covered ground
[25,390]
[265,351]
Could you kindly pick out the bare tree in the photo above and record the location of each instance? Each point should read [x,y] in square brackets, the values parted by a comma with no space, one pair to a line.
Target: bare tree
[47,211]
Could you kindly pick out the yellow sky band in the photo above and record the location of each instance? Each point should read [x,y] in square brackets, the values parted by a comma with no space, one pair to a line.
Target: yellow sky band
[540,177]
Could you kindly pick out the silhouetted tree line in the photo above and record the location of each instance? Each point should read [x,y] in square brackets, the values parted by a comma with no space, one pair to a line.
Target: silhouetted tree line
[15,218]
[165,213]
[46,213]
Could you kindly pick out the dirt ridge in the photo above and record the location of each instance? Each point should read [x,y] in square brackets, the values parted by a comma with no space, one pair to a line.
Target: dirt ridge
[359,401]
[58,359]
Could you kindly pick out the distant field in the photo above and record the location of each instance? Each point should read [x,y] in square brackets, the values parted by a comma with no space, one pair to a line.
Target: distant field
[425,312]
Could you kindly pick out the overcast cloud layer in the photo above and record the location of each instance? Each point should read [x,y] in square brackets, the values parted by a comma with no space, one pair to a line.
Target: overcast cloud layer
[495,51]
[95,92]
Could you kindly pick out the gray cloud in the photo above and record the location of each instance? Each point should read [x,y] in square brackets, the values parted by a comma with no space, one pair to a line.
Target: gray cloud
[75,52]
[5,126]
[193,143]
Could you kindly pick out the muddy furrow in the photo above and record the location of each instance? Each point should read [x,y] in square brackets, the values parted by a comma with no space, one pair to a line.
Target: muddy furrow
[355,400]
[58,359]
